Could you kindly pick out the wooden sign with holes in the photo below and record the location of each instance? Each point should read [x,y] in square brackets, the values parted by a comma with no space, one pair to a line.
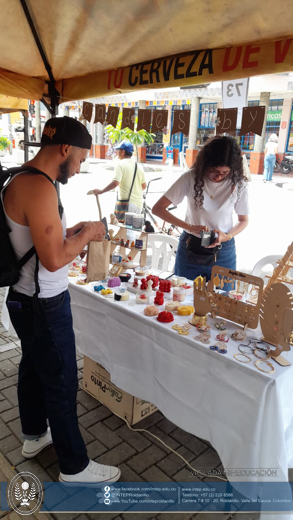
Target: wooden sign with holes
[232,308]
[276,317]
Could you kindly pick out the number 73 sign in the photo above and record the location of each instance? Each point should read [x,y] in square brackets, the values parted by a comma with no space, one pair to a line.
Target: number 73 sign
[234,95]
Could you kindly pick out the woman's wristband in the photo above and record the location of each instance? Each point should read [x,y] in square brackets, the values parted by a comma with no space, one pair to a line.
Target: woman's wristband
[229,236]
[189,228]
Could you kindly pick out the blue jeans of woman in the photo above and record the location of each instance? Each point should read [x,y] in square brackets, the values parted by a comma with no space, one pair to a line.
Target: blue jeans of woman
[47,380]
[269,164]
[185,266]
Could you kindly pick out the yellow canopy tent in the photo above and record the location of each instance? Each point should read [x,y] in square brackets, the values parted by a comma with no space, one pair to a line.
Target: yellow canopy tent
[67,50]
[9,104]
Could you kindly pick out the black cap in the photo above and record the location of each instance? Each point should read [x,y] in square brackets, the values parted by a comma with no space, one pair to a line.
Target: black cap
[66,130]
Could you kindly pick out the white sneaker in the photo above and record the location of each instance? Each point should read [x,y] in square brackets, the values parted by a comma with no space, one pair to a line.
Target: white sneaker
[94,473]
[32,448]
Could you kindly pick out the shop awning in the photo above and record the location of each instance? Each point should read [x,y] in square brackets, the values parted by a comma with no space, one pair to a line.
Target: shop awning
[95,47]
[9,104]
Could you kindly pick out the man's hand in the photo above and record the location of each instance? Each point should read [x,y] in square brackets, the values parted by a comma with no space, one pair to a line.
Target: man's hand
[96,231]
[70,232]
[98,192]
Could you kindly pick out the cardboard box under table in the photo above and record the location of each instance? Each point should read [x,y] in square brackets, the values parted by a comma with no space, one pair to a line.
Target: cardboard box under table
[97,382]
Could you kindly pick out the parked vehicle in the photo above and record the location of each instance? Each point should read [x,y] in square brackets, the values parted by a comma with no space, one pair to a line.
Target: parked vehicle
[286,165]
[277,166]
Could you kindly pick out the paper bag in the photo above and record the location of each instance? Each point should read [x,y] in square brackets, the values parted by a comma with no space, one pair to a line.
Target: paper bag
[98,259]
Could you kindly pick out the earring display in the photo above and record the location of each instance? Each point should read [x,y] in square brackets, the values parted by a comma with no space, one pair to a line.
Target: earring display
[235,308]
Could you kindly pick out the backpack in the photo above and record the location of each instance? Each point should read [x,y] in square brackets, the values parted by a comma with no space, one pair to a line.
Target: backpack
[10,267]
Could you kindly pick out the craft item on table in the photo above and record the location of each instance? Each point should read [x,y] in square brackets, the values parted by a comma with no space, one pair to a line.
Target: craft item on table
[132,244]
[201,297]
[114,282]
[140,243]
[81,281]
[198,321]
[155,280]
[113,220]
[261,354]
[165,286]
[107,293]
[204,338]
[256,363]
[73,273]
[165,317]
[141,271]
[185,310]
[142,298]
[222,336]
[202,328]
[75,266]
[188,289]
[172,306]
[182,281]
[143,285]
[117,239]
[151,310]
[127,243]
[116,258]
[111,234]
[83,269]
[137,221]
[236,295]
[135,282]
[128,219]
[174,281]
[121,295]
[220,325]
[238,335]
[242,358]
[183,330]
[122,242]
[159,299]
[125,277]
[98,288]
[178,294]
[115,270]
[222,347]
[127,261]
[213,347]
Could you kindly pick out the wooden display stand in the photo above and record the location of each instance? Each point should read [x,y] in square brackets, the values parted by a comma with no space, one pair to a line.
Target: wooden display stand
[280,273]
[134,250]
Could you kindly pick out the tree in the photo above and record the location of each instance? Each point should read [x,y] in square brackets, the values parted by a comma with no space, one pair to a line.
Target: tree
[136,138]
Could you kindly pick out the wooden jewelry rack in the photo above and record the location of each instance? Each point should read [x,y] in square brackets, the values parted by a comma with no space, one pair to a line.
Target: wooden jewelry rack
[280,273]
[229,308]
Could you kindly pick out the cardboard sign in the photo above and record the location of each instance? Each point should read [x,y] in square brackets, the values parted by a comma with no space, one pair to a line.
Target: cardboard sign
[127,118]
[160,119]
[87,111]
[112,116]
[253,120]
[226,121]
[181,121]
[144,120]
[100,114]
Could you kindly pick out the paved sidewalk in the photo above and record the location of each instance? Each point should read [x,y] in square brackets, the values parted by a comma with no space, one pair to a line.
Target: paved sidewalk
[108,440]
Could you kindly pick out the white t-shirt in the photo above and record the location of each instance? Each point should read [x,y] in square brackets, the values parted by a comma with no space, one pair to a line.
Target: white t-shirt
[124,172]
[271,147]
[217,212]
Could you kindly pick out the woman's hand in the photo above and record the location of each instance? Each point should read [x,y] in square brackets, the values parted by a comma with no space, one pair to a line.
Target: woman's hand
[222,237]
[195,230]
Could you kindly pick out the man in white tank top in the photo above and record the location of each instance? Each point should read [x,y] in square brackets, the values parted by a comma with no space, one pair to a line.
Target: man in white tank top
[47,384]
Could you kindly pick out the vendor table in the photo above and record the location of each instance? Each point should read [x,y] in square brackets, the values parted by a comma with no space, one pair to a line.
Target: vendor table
[245,414]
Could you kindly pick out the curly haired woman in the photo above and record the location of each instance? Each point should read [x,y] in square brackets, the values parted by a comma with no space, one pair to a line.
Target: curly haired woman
[215,187]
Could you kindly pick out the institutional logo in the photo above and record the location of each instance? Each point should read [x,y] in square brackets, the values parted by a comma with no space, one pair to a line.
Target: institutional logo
[25,494]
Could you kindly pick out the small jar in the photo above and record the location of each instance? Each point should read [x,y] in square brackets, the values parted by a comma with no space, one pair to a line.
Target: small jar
[142,297]
[181,281]
[129,219]
[116,258]
[137,221]
[174,281]
[178,294]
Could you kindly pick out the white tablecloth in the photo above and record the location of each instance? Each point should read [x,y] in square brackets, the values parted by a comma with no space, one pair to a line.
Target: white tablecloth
[245,414]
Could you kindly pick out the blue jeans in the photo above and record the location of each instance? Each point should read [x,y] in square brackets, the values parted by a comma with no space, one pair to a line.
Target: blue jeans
[47,380]
[185,267]
[269,164]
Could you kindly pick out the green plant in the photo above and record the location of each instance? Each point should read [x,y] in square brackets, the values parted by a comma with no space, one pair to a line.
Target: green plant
[4,143]
[135,137]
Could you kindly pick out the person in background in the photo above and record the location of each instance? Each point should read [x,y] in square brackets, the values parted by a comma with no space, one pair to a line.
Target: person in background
[47,381]
[271,150]
[215,188]
[123,176]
